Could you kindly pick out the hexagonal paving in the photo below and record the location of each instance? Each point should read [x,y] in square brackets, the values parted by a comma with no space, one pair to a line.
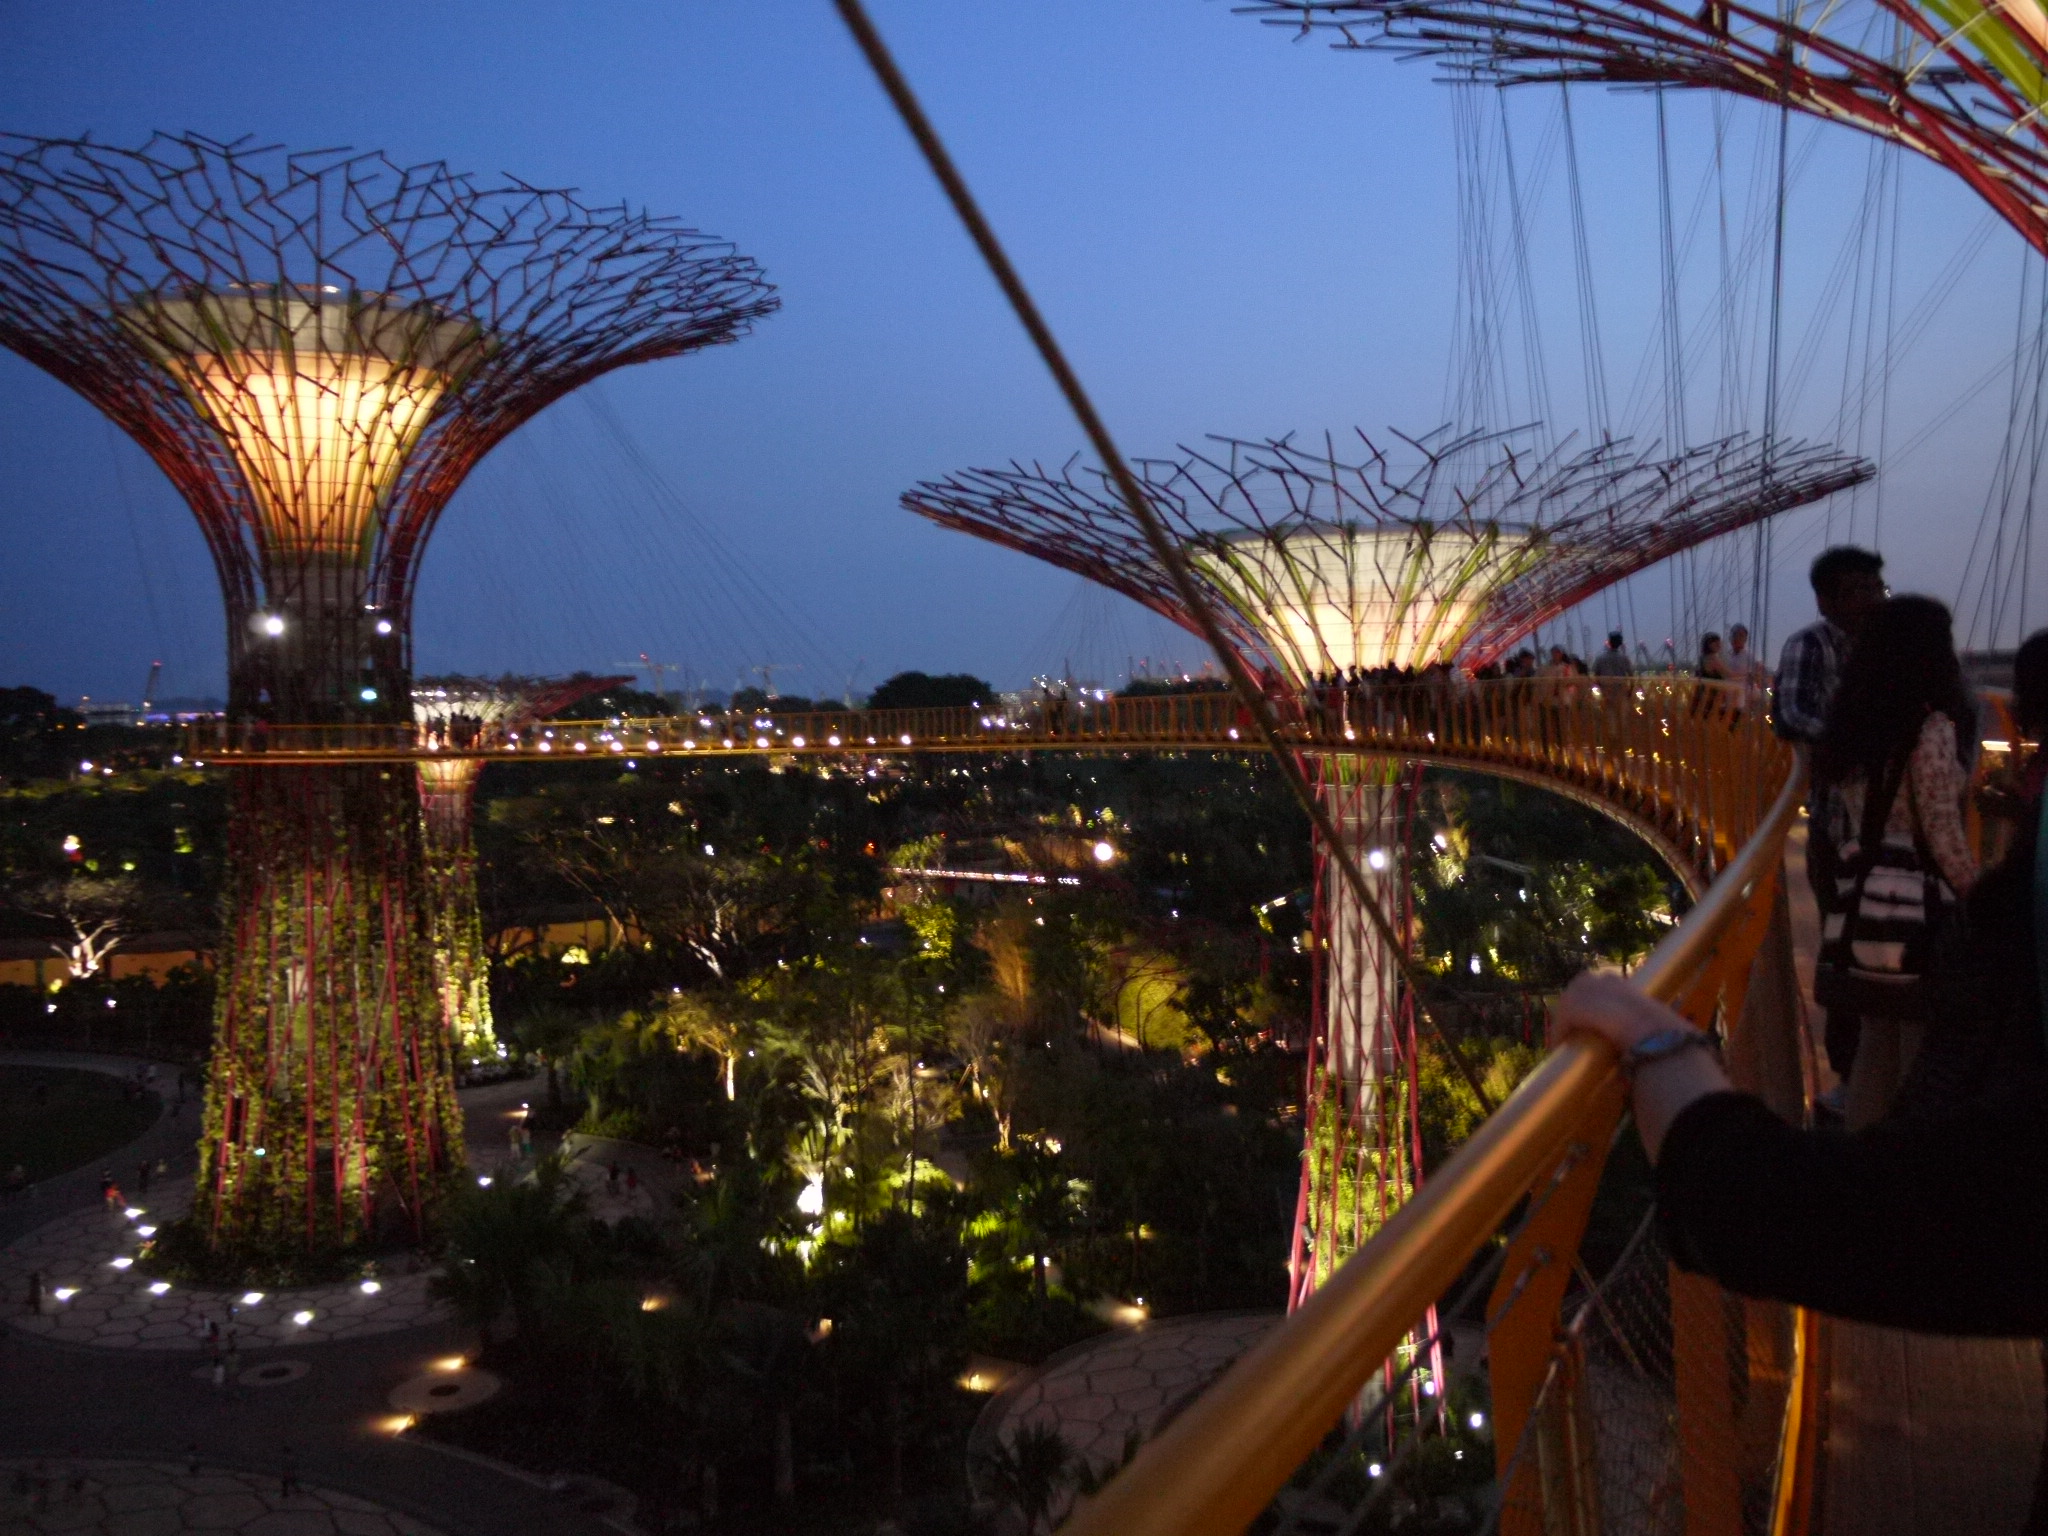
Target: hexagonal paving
[109,1306]
[147,1498]
[1096,1393]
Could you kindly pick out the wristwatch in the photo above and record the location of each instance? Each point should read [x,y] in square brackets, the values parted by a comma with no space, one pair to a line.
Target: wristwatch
[1664,1044]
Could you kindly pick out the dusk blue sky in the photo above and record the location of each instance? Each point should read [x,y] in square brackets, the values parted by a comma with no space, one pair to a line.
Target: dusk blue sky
[1231,231]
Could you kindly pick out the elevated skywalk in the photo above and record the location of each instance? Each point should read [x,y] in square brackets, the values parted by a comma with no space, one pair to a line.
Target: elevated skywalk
[1678,761]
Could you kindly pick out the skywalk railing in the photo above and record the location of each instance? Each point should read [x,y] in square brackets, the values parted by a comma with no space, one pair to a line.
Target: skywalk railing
[1681,760]
[1713,1435]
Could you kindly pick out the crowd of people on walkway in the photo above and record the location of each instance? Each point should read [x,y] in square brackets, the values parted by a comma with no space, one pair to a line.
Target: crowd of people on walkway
[1921,1201]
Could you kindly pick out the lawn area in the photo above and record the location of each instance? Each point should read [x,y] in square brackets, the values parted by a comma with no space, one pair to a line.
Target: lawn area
[53,1119]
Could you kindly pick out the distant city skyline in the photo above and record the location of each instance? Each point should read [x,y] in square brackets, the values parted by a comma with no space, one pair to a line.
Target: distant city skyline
[1232,233]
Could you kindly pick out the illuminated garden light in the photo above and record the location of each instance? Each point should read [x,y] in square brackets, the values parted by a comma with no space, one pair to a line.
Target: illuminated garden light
[160,1288]
[302,1318]
[1104,852]
[251,1298]
[369,1287]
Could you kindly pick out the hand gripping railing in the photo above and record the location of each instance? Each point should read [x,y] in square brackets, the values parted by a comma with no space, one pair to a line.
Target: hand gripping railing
[1216,1466]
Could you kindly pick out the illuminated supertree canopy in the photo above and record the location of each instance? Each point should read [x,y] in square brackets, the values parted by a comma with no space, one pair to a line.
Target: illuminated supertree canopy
[457,713]
[316,349]
[1960,82]
[1443,550]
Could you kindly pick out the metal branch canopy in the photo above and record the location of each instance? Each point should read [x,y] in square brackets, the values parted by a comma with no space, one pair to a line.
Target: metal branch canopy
[316,349]
[1961,82]
[1444,549]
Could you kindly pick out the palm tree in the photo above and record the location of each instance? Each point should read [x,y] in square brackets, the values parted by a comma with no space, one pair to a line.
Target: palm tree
[770,1351]
[504,1240]
[1043,1206]
[697,1022]
[1028,1472]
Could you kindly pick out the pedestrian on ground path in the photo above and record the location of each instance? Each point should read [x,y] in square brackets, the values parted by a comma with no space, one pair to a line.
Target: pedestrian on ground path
[220,1372]
[116,1201]
[106,1185]
[142,1177]
[35,1293]
[1848,585]
[632,1180]
[611,1179]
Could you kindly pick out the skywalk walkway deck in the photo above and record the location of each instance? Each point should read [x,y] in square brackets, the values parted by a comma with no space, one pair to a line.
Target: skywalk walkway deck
[1923,1435]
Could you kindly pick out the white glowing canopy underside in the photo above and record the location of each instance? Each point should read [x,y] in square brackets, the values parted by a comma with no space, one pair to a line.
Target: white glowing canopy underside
[437,705]
[317,395]
[1337,595]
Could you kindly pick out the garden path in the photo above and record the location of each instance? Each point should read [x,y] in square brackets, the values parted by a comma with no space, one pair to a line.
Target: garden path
[1096,1392]
[62,1403]
[155,1498]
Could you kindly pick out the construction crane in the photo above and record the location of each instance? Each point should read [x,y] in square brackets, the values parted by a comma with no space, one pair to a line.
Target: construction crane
[766,672]
[657,673]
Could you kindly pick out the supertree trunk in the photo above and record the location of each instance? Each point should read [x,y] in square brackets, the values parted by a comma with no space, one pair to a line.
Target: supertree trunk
[331,1097]
[1356,1166]
[462,970]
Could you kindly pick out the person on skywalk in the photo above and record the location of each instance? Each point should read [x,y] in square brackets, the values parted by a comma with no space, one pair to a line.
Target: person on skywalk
[1891,767]
[1933,1219]
[1613,662]
[1848,585]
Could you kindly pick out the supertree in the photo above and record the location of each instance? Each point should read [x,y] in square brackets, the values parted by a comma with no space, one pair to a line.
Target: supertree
[457,715]
[1962,83]
[1446,551]
[316,348]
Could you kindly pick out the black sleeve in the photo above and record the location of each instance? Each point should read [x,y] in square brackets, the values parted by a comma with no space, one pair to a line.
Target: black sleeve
[1937,1225]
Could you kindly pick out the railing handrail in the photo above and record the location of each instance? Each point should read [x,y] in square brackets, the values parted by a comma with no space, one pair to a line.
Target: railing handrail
[1215,1467]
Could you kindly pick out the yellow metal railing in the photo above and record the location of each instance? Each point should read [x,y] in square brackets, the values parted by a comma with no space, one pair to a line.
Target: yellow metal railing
[1222,1461]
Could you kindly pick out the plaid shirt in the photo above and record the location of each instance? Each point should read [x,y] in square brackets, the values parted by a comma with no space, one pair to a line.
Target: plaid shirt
[1808,669]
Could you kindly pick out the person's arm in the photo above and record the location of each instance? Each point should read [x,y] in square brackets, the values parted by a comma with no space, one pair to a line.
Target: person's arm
[1938,785]
[1939,1226]
[1625,1015]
